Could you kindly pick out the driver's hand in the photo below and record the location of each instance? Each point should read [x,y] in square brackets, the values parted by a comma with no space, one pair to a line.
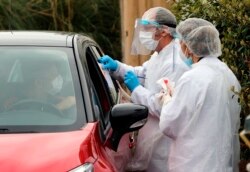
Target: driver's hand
[66,103]
[9,102]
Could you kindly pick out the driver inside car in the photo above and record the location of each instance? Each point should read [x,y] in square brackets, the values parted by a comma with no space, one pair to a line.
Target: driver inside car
[44,85]
[48,86]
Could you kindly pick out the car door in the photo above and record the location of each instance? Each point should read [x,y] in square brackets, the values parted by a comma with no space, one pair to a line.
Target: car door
[102,90]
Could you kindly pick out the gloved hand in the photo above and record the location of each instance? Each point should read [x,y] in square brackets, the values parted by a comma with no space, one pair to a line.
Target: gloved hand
[108,63]
[131,80]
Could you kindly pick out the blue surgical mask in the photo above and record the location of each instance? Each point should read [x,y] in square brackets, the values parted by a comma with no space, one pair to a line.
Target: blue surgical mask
[188,61]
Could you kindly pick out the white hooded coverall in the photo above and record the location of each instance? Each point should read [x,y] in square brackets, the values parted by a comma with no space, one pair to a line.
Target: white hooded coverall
[203,119]
[152,146]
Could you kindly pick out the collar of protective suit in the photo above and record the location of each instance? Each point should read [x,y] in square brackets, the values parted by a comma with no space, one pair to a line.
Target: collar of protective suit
[160,65]
[205,60]
[168,55]
[167,48]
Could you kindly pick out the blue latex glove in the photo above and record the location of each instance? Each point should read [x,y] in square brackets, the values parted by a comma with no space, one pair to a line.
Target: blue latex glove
[131,80]
[108,63]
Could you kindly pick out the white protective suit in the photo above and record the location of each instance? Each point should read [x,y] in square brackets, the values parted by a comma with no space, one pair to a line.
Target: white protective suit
[203,119]
[150,141]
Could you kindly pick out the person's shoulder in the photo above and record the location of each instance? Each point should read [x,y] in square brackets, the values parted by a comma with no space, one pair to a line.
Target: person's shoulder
[195,73]
[195,79]
[230,74]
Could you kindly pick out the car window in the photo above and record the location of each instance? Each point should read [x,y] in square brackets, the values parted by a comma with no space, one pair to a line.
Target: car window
[110,82]
[37,87]
[100,85]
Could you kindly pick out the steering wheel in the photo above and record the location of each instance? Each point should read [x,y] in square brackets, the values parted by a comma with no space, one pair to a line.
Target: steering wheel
[32,104]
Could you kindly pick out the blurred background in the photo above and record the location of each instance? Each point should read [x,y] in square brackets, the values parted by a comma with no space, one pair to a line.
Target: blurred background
[111,22]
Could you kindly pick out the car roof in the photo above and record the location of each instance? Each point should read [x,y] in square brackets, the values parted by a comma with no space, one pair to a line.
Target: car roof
[37,38]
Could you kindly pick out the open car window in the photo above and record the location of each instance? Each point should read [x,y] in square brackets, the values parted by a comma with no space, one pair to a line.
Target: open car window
[110,82]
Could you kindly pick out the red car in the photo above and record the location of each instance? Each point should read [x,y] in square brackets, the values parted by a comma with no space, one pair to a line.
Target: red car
[58,112]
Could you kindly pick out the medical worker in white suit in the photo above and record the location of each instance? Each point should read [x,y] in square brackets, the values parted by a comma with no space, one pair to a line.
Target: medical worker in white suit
[202,117]
[154,33]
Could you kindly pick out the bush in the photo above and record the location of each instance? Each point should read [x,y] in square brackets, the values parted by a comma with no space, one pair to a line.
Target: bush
[100,19]
[232,19]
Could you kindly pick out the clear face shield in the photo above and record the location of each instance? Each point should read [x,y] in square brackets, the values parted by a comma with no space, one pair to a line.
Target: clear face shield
[144,37]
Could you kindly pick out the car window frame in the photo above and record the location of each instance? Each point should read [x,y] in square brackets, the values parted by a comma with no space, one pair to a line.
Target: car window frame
[86,46]
[103,84]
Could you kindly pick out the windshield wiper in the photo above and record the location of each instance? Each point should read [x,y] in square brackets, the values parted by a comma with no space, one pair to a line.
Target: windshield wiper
[6,130]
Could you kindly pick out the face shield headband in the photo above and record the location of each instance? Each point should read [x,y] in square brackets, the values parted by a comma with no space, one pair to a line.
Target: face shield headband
[157,24]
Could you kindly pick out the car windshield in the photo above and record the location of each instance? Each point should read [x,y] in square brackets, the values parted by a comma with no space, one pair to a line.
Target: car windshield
[37,90]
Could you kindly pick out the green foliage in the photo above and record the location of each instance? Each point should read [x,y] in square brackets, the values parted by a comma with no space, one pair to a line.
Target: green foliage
[100,19]
[232,19]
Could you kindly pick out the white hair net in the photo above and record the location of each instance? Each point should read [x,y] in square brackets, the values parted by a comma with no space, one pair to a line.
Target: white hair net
[204,41]
[161,15]
[186,26]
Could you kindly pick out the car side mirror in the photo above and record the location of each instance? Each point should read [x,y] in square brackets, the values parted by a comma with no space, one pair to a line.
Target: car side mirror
[247,124]
[246,131]
[124,118]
